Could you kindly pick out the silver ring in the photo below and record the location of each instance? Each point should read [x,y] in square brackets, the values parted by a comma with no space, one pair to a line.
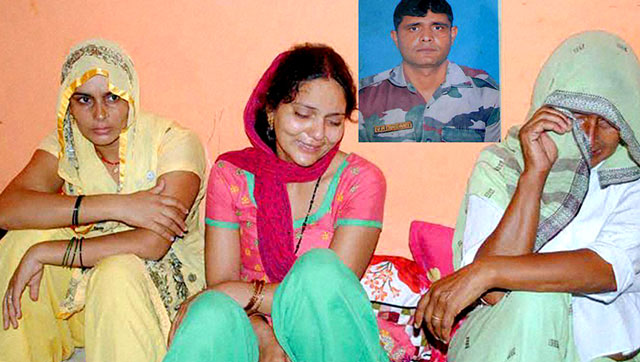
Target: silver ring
[436,318]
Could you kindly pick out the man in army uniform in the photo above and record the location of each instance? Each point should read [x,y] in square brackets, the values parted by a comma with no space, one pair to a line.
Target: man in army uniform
[427,98]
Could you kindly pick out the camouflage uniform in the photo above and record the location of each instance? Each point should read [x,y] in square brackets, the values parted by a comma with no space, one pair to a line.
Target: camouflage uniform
[465,108]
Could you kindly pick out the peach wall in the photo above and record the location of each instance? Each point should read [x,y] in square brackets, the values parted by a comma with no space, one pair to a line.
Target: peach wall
[199,60]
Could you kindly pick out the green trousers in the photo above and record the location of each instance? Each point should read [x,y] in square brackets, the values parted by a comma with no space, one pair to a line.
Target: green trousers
[522,327]
[320,313]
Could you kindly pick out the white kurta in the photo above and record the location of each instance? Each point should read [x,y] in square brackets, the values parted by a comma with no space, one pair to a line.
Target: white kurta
[609,224]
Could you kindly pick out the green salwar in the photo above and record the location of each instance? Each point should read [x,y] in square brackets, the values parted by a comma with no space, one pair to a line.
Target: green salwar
[320,313]
[522,327]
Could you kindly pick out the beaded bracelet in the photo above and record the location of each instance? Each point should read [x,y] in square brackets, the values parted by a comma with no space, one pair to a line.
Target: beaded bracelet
[76,208]
[256,298]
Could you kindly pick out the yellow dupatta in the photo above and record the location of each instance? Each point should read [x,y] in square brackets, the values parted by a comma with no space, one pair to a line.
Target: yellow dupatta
[181,272]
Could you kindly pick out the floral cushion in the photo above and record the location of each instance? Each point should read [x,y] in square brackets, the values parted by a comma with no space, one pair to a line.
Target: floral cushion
[394,286]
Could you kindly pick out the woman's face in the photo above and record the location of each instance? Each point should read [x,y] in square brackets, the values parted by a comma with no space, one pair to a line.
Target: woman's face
[100,114]
[603,136]
[307,128]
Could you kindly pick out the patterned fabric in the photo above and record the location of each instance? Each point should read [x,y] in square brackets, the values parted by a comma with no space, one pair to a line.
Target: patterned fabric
[149,147]
[105,53]
[355,197]
[592,72]
[543,319]
[396,342]
[465,108]
[394,286]
[395,280]
[173,292]
[272,174]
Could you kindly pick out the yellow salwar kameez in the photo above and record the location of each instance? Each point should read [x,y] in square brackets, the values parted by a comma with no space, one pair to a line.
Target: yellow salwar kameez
[120,309]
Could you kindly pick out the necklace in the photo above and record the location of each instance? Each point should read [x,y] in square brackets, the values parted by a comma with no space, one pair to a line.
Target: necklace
[115,165]
[107,161]
[306,218]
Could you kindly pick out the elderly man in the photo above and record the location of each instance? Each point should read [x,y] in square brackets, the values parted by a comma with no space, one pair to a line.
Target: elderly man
[548,240]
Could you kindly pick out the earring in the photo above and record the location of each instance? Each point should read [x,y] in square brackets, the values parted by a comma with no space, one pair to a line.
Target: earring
[271,134]
[271,120]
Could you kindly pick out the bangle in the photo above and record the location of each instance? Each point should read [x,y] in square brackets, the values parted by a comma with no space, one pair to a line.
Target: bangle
[259,315]
[67,252]
[76,208]
[75,251]
[81,240]
[255,308]
[256,298]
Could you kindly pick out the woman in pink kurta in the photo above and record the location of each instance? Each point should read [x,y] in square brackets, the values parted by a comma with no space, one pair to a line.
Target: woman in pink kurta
[292,223]
[355,197]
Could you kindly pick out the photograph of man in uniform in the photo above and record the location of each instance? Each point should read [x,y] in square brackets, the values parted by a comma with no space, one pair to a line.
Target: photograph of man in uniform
[428,98]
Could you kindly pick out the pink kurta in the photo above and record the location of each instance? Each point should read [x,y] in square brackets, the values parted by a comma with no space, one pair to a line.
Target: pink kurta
[355,197]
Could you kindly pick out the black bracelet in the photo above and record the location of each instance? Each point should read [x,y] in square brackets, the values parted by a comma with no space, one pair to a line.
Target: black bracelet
[76,208]
[68,251]
[75,251]
[81,263]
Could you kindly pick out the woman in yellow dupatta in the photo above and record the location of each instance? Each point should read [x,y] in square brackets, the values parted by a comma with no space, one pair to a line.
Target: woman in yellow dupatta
[110,201]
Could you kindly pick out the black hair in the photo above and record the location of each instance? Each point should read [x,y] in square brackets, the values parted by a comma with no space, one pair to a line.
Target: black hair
[301,64]
[420,8]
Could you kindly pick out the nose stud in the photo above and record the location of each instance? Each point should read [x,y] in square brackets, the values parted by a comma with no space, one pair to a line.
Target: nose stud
[102,115]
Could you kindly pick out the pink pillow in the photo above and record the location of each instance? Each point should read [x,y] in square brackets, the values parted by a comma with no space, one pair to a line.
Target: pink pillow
[394,285]
[430,245]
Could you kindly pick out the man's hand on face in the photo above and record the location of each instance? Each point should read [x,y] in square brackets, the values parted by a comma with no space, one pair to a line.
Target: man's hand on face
[539,150]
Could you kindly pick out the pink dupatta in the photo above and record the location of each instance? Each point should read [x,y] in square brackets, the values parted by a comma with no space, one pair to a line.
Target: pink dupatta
[275,224]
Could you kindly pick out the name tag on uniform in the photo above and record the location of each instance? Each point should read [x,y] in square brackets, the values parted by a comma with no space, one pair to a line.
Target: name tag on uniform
[393,127]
